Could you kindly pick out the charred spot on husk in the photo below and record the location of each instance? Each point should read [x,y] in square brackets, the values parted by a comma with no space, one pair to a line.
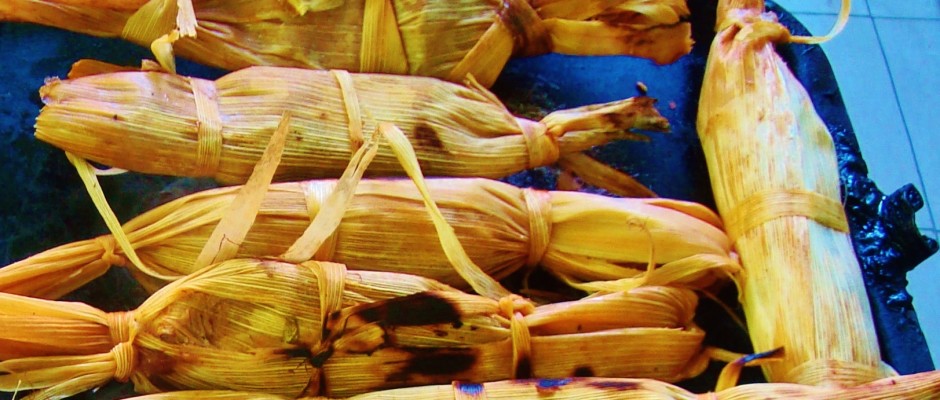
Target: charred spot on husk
[523,368]
[297,352]
[444,362]
[417,309]
[583,371]
[616,385]
[155,363]
[426,136]
[320,358]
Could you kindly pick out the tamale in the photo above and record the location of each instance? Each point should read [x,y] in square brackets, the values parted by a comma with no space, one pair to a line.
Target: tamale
[441,38]
[160,123]
[580,237]
[317,329]
[776,183]
[922,386]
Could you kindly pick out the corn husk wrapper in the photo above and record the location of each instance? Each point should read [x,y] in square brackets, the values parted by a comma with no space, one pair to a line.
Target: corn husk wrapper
[776,184]
[578,236]
[160,123]
[317,329]
[443,39]
[923,386]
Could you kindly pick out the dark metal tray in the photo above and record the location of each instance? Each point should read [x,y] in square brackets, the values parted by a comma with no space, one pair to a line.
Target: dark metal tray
[46,205]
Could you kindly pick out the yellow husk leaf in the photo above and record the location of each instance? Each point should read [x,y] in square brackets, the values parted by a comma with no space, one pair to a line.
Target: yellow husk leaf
[776,184]
[435,38]
[159,123]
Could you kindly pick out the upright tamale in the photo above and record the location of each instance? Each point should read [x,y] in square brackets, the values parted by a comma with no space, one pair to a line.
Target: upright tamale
[776,183]
[317,329]
[160,123]
[578,236]
[440,38]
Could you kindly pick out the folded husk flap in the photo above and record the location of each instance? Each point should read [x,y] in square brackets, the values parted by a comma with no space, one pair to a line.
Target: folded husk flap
[776,185]
[578,236]
[317,329]
[922,386]
[444,39]
[160,123]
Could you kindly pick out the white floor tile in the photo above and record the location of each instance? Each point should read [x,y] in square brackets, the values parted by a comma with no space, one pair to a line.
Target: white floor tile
[865,84]
[912,48]
[922,285]
[905,8]
[859,7]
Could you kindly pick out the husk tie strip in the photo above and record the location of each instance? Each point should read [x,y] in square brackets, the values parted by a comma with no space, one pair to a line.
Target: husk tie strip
[762,207]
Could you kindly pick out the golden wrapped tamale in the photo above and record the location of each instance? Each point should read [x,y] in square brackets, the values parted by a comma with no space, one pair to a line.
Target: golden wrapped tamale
[317,329]
[440,38]
[160,123]
[923,386]
[580,237]
[776,183]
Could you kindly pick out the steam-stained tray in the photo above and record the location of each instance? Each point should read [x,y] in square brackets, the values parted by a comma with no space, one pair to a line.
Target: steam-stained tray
[46,205]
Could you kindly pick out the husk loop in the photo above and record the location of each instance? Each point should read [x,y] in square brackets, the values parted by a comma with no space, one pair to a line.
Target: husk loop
[539,209]
[208,125]
[760,208]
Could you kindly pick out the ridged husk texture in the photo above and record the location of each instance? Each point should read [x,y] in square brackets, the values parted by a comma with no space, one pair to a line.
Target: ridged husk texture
[160,123]
[923,386]
[440,38]
[776,184]
[317,329]
[578,236]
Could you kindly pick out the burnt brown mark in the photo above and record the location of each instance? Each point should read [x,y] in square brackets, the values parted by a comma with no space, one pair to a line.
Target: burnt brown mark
[320,358]
[417,309]
[615,385]
[528,33]
[583,371]
[620,119]
[297,352]
[426,136]
[441,362]
[153,363]
[524,368]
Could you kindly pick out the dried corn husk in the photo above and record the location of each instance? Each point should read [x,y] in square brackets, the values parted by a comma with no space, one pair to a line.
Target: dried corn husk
[578,236]
[444,39]
[776,184]
[160,123]
[315,328]
[923,386]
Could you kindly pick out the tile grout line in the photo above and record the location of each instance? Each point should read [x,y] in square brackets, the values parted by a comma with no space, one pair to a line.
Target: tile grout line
[907,130]
[906,18]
